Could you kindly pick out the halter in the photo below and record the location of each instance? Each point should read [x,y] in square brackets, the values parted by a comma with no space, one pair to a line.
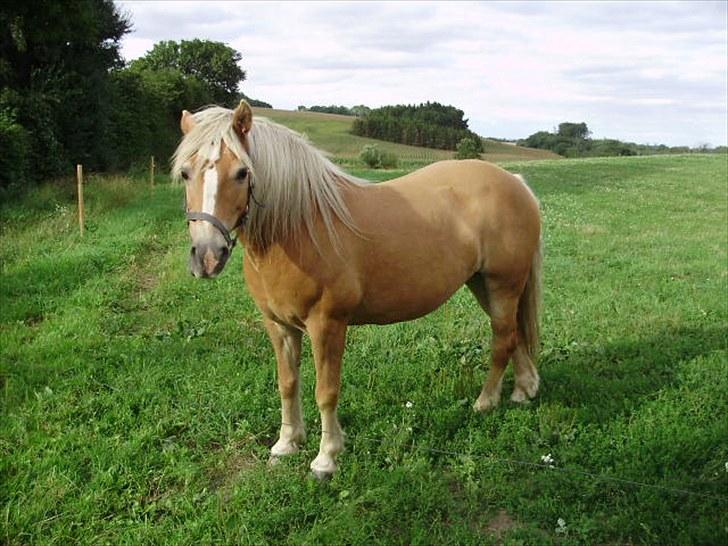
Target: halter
[218,224]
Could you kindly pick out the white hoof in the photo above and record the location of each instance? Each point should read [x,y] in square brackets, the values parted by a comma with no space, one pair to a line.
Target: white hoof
[519,396]
[486,403]
[323,467]
[283,448]
[322,476]
[528,387]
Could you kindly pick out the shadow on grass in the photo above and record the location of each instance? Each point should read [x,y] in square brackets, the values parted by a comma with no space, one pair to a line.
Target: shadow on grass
[604,381]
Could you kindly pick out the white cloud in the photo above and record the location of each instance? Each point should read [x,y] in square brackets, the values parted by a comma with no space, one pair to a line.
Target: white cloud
[634,71]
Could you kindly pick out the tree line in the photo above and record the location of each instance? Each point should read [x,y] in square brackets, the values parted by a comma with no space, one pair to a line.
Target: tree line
[358,110]
[431,124]
[67,96]
[574,140]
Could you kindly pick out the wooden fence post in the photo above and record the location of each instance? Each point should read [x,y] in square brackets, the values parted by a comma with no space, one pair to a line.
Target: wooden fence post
[151,172]
[79,180]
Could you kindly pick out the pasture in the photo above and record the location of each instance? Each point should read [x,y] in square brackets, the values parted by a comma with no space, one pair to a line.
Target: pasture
[331,132]
[139,404]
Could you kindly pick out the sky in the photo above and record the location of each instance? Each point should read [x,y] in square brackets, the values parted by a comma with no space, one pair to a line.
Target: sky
[646,72]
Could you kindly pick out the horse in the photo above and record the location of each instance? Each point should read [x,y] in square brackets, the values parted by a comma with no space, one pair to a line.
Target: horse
[325,250]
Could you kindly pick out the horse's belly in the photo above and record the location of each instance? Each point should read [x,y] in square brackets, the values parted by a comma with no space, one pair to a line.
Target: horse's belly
[408,276]
[389,315]
[403,298]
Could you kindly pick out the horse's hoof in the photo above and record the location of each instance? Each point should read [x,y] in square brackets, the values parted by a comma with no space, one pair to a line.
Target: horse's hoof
[273,461]
[484,403]
[321,476]
[519,396]
[283,448]
[323,467]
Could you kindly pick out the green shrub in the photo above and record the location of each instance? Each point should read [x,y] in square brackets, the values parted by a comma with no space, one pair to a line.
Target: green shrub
[15,146]
[388,160]
[468,148]
[370,155]
[375,158]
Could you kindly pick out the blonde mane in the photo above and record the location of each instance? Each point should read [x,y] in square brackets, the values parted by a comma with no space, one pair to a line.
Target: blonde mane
[293,180]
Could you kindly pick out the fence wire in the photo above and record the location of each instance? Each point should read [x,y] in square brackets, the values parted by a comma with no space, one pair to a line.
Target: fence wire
[552,467]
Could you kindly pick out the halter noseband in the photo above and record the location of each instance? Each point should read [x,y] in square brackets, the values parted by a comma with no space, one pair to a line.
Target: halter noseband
[215,221]
[218,224]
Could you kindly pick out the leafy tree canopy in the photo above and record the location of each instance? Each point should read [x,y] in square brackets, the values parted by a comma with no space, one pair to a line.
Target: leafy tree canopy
[430,124]
[55,57]
[574,130]
[213,63]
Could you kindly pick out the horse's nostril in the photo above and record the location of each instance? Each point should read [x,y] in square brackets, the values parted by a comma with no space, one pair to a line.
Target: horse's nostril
[224,253]
[193,251]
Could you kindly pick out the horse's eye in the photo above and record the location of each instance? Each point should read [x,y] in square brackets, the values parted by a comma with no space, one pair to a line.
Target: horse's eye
[184,174]
[242,174]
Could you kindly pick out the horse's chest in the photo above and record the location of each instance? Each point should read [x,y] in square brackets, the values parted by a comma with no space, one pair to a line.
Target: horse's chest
[283,299]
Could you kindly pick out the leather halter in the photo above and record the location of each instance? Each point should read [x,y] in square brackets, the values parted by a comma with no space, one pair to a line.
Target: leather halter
[215,221]
[218,224]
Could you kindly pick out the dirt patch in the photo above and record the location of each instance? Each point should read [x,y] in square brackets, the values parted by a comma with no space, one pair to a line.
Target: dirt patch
[500,525]
[34,320]
[592,229]
[236,460]
[146,281]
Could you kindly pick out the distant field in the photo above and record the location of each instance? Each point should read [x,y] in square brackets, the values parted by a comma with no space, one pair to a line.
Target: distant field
[138,404]
[330,132]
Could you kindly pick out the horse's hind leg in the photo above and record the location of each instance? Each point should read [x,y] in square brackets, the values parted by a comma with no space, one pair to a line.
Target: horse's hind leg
[500,300]
[527,379]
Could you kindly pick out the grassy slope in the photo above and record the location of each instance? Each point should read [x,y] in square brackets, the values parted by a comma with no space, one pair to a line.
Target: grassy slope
[138,404]
[331,133]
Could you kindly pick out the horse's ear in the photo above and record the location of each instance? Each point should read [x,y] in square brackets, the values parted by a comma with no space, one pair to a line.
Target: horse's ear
[243,118]
[186,122]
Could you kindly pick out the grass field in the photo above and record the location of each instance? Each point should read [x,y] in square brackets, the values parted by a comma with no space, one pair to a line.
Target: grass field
[330,132]
[139,404]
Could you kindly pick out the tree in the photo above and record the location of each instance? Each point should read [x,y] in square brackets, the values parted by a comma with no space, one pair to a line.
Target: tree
[430,124]
[360,110]
[55,58]
[578,131]
[468,149]
[213,63]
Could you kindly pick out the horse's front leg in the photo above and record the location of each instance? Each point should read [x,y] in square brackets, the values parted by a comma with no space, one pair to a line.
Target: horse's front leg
[287,345]
[328,338]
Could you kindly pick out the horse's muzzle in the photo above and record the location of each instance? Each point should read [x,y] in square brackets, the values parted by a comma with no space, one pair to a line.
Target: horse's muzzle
[208,259]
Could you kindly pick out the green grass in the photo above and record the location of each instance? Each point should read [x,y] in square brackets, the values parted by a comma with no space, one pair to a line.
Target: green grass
[330,132]
[139,404]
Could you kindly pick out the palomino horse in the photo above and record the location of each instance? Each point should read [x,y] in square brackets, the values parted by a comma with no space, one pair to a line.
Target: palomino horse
[324,250]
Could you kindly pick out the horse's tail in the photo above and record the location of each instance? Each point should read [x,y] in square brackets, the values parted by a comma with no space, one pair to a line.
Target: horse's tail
[528,306]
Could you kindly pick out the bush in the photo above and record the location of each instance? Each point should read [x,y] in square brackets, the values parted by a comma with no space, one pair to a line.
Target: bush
[375,158]
[15,144]
[468,149]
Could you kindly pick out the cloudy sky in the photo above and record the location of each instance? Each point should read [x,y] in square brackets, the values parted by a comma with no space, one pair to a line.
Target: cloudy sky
[653,72]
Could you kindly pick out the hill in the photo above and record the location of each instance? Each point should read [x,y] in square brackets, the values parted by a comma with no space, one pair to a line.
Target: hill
[330,132]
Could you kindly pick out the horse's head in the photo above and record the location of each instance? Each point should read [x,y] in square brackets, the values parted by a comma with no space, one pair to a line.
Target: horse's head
[218,180]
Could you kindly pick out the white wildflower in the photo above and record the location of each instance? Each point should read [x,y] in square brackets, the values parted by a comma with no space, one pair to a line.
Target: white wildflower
[560,526]
[547,459]
[409,404]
